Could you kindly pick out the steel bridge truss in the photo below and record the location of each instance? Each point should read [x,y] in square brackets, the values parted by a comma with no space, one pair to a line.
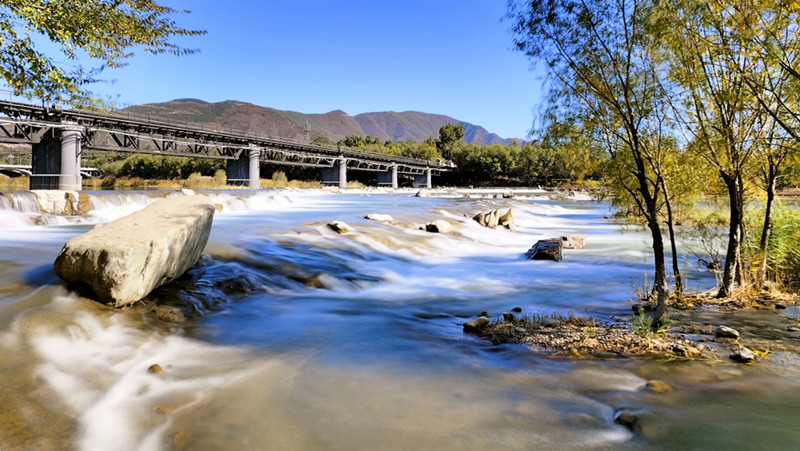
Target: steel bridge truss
[31,124]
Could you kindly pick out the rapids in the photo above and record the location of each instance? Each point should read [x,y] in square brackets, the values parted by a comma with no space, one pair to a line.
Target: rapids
[301,338]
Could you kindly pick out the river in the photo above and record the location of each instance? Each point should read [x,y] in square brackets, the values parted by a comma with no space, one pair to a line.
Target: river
[297,337]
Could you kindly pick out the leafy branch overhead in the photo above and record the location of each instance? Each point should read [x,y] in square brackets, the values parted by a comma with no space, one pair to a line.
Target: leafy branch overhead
[107,31]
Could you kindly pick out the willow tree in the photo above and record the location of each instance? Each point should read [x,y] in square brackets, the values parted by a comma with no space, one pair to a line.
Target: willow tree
[104,32]
[723,117]
[599,55]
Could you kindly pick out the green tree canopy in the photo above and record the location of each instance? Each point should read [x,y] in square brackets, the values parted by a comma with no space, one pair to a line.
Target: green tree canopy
[449,135]
[107,31]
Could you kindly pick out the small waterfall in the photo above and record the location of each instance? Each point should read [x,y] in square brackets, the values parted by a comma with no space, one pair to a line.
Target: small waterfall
[107,206]
[21,202]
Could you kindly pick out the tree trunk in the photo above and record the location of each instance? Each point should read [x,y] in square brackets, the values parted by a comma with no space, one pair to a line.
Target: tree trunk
[766,231]
[676,272]
[733,253]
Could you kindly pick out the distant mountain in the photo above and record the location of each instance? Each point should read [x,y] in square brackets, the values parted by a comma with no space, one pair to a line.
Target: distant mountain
[335,125]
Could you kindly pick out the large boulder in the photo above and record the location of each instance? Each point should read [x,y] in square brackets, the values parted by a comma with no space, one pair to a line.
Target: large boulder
[124,260]
[545,250]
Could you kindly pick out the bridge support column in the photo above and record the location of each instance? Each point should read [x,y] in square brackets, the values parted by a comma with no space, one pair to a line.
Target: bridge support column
[336,175]
[255,168]
[424,180]
[245,170]
[388,178]
[56,164]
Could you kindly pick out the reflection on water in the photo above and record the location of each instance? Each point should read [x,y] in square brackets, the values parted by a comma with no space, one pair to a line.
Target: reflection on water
[300,338]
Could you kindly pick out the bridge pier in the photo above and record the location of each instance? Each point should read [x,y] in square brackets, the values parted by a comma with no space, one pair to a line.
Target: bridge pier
[56,164]
[424,180]
[388,178]
[336,175]
[245,171]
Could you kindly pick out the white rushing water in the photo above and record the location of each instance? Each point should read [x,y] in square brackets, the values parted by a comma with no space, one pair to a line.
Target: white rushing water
[301,338]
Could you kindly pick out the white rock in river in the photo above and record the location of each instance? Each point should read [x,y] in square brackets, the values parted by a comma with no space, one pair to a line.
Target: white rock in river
[379,217]
[124,260]
[439,226]
[340,227]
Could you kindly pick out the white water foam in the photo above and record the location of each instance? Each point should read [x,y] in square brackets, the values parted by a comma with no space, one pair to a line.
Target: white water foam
[99,368]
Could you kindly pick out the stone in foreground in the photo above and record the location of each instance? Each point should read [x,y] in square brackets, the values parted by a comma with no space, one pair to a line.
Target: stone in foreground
[546,250]
[126,259]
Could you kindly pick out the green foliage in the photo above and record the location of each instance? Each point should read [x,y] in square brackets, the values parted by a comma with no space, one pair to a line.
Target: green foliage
[449,136]
[783,252]
[107,31]
[642,325]
[160,167]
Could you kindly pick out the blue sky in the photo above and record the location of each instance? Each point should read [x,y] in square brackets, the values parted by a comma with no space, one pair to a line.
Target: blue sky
[445,57]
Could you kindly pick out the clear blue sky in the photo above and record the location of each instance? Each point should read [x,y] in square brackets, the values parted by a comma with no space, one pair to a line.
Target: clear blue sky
[450,57]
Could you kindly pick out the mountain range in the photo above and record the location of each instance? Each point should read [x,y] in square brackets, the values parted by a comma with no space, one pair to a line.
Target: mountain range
[237,116]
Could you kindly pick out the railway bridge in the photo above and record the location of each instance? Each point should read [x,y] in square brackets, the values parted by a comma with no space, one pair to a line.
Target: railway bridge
[58,136]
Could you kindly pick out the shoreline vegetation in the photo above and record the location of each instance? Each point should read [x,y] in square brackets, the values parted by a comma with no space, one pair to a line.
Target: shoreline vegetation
[683,337]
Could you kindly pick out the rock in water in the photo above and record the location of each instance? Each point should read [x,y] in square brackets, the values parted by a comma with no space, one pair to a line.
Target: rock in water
[744,355]
[439,226]
[340,227]
[423,193]
[379,217]
[477,325]
[124,260]
[726,332]
[505,220]
[545,250]
[574,241]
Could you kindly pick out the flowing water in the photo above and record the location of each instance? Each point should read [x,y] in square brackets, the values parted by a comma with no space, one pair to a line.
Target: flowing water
[300,338]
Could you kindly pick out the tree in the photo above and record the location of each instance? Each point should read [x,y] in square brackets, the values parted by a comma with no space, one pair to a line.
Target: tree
[106,31]
[723,118]
[449,135]
[601,63]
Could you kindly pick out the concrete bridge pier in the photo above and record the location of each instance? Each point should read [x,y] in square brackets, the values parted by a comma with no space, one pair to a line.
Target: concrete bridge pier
[246,170]
[388,178]
[336,175]
[424,180]
[56,164]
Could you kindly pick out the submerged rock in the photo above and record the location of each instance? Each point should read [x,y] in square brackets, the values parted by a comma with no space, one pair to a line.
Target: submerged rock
[545,250]
[439,226]
[169,314]
[657,386]
[340,227]
[726,332]
[379,217]
[124,260]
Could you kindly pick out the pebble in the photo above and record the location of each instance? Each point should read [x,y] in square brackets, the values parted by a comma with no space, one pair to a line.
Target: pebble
[657,386]
[170,314]
[743,355]
[509,317]
[726,332]
[155,369]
